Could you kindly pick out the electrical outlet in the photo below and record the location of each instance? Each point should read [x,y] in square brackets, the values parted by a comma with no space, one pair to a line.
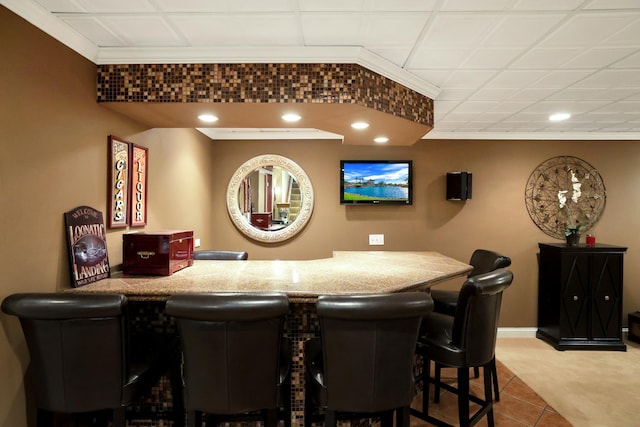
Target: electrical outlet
[376,239]
[196,243]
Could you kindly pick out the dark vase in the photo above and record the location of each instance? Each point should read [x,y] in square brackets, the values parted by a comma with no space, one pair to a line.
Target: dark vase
[573,238]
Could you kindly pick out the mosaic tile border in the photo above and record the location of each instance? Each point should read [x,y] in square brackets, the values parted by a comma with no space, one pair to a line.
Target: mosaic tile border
[261,83]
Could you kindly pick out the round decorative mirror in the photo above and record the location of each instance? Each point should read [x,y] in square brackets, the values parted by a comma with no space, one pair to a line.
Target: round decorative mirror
[270,198]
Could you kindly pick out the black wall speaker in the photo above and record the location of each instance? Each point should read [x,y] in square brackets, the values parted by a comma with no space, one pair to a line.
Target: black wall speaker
[458,185]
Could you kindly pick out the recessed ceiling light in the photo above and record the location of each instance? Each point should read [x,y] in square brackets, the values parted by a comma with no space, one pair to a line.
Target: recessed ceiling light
[291,117]
[558,117]
[381,139]
[359,125]
[209,118]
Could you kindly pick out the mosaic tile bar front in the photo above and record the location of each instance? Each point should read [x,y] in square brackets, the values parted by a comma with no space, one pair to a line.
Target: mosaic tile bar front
[261,83]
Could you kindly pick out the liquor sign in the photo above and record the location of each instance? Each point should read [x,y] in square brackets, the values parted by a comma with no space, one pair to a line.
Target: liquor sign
[87,242]
[139,161]
[118,182]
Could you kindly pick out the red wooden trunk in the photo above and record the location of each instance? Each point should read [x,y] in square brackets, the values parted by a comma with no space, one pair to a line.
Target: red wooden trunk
[261,220]
[157,253]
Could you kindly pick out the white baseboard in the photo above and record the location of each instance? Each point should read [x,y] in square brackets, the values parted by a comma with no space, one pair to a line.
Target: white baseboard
[528,332]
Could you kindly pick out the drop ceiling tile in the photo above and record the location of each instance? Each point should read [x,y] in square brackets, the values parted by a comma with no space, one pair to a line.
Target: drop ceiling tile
[456,31]
[475,5]
[115,6]
[578,94]
[94,30]
[611,79]
[611,4]
[366,5]
[573,107]
[475,106]
[624,107]
[397,29]
[533,94]
[60,5]
[454,116]
[333,29]
[599,57]
[400,5]
[437,58]
[490,58]
[201,6]
[509,107]
[142,30]
[548,107]
[632,61]
[545,58]
[331,5]
[467,78]
[237,30]
[537,5]
[494,116]
[453,94]
[515,79]
[561,79]
[629,36]
[521,30]
[493,94]
[587,29]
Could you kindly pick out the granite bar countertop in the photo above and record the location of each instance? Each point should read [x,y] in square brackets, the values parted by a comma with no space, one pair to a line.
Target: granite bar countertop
[302,280]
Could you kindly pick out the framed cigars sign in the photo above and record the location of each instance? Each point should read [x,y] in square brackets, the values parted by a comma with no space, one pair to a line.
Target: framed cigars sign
[119,167]
[87,243]
[128,168]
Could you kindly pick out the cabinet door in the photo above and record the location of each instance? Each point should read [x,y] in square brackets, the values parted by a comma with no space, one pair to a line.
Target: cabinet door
[576,295]
[606,284]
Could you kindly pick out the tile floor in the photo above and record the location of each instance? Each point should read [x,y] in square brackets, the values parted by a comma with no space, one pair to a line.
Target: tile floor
[519,406]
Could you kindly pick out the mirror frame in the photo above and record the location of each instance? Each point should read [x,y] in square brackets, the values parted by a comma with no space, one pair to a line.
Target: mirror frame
[240,221]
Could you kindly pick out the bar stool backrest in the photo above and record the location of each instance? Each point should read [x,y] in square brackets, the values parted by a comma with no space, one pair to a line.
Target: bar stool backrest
[76,346]
[231,347]
[221,255]
[475,324]
[368,345]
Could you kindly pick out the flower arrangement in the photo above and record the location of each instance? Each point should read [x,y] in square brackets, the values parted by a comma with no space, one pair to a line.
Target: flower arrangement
[572,221]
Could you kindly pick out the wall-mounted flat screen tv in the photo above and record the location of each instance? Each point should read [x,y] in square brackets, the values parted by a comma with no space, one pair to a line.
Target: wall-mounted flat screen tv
[376,182]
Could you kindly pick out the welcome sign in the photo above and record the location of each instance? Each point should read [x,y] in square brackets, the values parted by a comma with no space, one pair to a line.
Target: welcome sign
[87,243]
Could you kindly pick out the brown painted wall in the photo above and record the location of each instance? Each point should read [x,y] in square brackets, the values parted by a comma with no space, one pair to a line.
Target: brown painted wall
[495,218]
[54,158]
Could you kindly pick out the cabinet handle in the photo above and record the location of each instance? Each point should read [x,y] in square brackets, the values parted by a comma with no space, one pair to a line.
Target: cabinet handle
[606,297]
[575,297]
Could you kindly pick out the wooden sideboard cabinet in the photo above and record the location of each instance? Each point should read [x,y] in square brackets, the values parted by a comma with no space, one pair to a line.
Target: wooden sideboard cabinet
[580,296]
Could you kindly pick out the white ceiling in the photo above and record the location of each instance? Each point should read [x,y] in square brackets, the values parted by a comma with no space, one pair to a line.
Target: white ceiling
[495,68]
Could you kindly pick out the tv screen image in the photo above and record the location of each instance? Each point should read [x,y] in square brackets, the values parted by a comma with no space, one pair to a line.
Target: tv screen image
[376,182]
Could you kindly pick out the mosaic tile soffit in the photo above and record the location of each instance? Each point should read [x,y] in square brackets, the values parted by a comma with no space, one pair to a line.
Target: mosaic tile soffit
[261,83]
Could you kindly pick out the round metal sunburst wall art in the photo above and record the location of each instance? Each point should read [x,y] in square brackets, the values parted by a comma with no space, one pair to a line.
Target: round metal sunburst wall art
[565,192]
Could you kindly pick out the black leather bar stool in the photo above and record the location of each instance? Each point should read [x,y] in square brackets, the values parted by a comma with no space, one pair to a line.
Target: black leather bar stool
[80,354]
[445,301]
[221,255]
[464,341]
[362,366]
[232,355]
[482,261]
